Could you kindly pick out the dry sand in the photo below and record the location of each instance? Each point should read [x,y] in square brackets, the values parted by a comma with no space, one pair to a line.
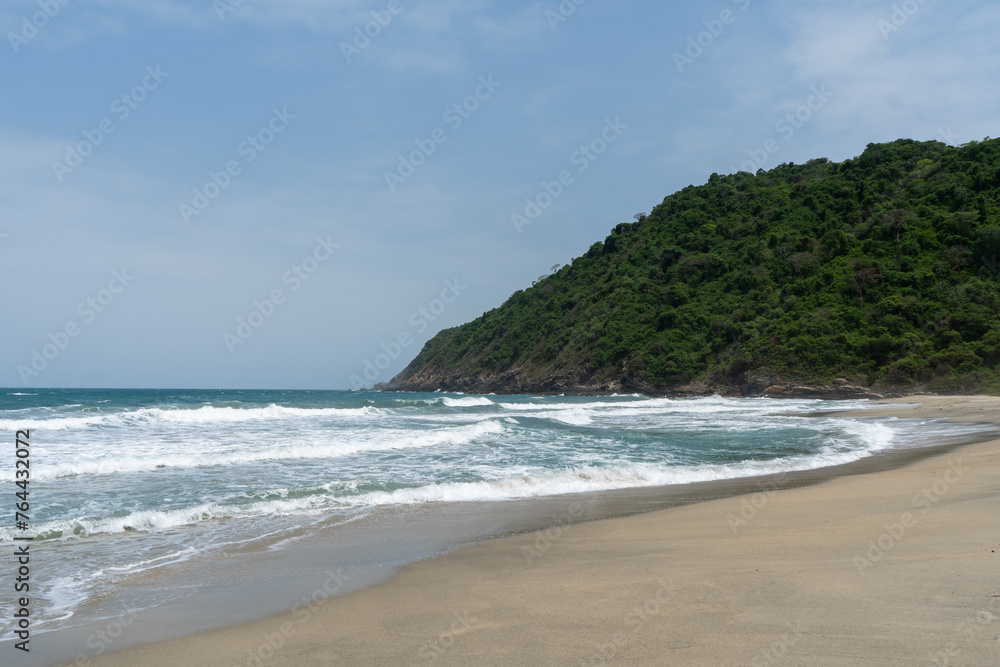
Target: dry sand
[898,567]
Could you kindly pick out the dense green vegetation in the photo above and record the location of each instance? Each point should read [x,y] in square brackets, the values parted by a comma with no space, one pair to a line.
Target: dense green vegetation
[883,269]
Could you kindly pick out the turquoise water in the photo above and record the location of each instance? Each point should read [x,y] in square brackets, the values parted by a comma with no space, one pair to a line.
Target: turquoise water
[126,482]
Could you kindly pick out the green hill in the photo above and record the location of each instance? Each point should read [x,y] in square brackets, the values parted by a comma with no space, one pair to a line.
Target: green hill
[880,273]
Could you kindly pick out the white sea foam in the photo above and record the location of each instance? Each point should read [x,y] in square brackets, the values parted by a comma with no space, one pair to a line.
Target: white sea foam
[471,402]
[131,463]
[160,520]
[591,479]
[204,415]
[582,479]
[172,558]
[577,417]
[677,413]
[876,435]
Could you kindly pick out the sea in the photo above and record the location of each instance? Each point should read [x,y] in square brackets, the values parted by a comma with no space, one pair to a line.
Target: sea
[148,499]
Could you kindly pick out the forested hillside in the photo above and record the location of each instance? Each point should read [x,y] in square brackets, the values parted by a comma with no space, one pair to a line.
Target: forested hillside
[883,271]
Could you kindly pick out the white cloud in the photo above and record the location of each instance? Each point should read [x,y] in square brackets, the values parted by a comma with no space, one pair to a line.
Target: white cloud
[520,30]
[905,84]
[429,36]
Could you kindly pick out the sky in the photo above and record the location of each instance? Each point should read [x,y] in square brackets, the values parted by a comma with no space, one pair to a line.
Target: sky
[300,193]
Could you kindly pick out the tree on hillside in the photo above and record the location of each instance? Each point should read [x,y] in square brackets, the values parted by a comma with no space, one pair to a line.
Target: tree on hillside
[863,272]
[898,220]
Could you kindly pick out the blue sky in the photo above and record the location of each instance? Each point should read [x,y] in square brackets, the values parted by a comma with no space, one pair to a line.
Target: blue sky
[287,193]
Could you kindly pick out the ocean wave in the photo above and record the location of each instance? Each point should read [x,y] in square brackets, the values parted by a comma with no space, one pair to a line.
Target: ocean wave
[578,480]
[446,401]
[590,405]
[470,402]
[876,435]
[590,479]
[681,412]
[379,441]
[202,415]
[859,440]
[577,417]
[159,520]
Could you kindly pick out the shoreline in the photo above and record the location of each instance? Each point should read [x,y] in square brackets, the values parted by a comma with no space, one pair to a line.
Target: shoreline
[761,387]
[427,590]
[748,386]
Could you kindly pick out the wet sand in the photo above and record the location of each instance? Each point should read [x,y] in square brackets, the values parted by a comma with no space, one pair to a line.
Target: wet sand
[878,564]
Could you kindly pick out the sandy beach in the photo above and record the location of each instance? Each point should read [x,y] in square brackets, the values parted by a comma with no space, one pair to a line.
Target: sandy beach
[890,567]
